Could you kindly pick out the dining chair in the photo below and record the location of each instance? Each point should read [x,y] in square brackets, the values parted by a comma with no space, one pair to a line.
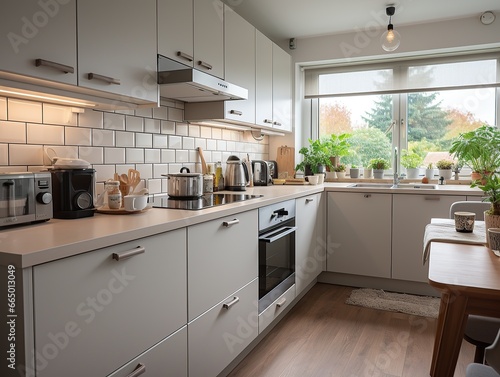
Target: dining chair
[479,331]
[493,360]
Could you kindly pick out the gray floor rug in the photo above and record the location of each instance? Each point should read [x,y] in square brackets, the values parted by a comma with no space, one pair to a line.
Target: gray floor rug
[397,302]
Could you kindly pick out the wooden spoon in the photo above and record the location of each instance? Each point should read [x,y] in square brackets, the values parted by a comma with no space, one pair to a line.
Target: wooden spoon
[124,179]
[134,178]
[203,162]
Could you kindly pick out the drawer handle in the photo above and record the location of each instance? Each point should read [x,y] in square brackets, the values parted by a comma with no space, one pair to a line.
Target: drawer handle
[109,80]
[268,121]
[367,195]
[58,66]
[229,304]
[281,302]
[227,224]
[139,369]
[309,200]
[236,112]
[205,64]
[277,124]
[432,197]
[129,253]
[184,56]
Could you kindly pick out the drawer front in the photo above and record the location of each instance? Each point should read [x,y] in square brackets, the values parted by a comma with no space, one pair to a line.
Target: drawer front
[221,259]
[276,308]
[167,358]
[91,303]
[219,335]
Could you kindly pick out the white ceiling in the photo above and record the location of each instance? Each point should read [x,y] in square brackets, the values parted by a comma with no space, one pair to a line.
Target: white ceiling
[284,19]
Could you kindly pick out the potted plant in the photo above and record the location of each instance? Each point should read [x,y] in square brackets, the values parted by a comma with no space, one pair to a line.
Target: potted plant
[337,146]
[379,165]
[429,171]
[444,167]
[490,185]
[354,171]
[340,170]
[479,149]
[411,161]
[315,158]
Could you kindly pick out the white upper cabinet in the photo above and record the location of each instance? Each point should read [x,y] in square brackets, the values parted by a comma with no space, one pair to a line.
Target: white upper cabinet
[39,39]
[117,47]
[209,36]
[282,90]
[263,80]
[240,65]
[175,30]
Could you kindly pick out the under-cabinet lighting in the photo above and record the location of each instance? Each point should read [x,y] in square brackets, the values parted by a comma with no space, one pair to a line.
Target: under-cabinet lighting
[214,123]
[45,98]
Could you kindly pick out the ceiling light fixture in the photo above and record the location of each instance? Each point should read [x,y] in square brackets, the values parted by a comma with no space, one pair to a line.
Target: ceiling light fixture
[391,39]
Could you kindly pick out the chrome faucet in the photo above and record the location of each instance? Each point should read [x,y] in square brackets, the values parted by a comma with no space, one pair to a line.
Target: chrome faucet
[395,168]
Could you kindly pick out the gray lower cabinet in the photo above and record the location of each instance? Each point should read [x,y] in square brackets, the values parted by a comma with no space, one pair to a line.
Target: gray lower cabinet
[411,213]
[276,308]
[219,335]
[94,312]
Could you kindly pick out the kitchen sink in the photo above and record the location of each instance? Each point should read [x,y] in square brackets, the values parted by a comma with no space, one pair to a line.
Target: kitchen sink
[391,186]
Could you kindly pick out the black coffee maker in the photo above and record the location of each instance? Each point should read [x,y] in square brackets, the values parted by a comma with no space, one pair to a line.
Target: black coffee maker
[73,193]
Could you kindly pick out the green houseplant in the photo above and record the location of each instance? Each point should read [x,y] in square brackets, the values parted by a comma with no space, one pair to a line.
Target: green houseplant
[490,185]
[411,161]
[315,158]
[445,167]
[354,171]
[337,146]
[378,165]
[340,169]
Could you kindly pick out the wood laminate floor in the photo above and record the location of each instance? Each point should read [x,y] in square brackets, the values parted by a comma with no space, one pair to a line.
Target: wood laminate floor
[323,336]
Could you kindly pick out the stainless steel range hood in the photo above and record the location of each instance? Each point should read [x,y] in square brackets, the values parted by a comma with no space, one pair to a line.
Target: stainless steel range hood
[180,82]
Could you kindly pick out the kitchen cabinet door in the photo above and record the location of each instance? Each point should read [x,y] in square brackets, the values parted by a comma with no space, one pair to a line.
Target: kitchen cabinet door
[117,47]
[209,37]
[359,229]
[222,258]
[282,90]
[97,311]
[411,213]
[43,30]
[240,65]
[175,30]
[310,240]
[263,80]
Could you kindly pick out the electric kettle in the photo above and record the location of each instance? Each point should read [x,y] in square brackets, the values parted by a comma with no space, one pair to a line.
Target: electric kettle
[236,177]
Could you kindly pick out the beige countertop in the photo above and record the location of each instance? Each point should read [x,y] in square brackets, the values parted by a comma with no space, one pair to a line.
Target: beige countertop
[29,245]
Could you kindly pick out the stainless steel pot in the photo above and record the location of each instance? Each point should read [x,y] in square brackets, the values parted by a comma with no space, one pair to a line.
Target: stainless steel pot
[185,185]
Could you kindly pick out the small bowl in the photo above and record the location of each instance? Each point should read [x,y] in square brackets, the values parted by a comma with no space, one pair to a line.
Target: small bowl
[313,179]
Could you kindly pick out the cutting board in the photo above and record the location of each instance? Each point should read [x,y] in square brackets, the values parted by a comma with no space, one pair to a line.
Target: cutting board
[285,159]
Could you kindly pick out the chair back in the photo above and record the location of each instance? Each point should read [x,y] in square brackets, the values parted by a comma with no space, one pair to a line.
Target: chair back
[493,354]
[470,206]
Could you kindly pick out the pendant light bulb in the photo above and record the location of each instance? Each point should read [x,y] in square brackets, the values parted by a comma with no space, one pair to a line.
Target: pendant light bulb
[391,39]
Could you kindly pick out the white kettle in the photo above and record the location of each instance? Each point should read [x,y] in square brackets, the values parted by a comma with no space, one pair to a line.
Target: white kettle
[236,177]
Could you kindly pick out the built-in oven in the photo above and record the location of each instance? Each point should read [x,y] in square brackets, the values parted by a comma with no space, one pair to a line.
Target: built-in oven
[276,251]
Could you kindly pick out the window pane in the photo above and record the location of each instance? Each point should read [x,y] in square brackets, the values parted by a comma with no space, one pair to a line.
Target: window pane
[356,82]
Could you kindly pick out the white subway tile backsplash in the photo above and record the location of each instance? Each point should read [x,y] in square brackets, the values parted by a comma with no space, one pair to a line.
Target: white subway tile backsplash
[167,127]
[206,132]
[167,156]
[93,155]
[231,146]
[21,154]
[104,172]
[216,133]
[200,143]
[123,169]
[152,156]
[125,112]
[114,121]
[134,156]
[175,142]
[24,111]
[134,124]
[211,145]
[160,113]
[3,108]
[125,139]
[4,155]
[12,132]
[152,126]
[91,119]
[154,186]
[114,155]
[188,143]
[160,141]
[159,169]
[176,115]
[217,156]
[143,140]
[194,131]
[194,156]
[103,138]
[227,134]
[62,115]
[78,136]
[181,156]
[182,129]
[144,113]
[221,145]
[174,168]
[44,134]
[145,170]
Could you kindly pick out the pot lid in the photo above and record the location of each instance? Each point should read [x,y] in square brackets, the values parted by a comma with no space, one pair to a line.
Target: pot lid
[70,163]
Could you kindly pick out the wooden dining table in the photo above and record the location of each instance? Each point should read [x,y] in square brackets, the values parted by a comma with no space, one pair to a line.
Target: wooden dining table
[468,276]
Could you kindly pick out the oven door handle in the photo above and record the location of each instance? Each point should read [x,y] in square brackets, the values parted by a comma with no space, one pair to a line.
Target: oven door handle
[277,234]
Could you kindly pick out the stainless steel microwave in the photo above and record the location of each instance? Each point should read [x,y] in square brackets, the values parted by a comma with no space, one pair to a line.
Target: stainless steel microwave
[25,198]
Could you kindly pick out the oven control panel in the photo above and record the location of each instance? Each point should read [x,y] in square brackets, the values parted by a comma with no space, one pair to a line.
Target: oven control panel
[276,213]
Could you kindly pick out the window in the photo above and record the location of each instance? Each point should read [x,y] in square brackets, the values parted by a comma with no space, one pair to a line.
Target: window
[418,106]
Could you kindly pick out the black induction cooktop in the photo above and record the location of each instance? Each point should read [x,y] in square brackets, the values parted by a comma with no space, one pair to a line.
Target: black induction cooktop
[204,201]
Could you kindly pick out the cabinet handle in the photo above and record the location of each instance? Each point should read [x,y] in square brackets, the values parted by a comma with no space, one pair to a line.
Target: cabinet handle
[432,197]
[139,369]
[367,195]
[281,302]
[109,80]
[309,200]
[227,224]
[205,64]
[233,301]
[236,112]
[183,55]
[277,124]
[129,253]
[268,121]
[58,66]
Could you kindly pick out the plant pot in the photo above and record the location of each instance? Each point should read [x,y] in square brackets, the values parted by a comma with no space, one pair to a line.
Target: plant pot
[378,173]
[341,174]
[335,161]
[330,175]
[367,173]
[354,172]
[321,178]
[490,221]
[308,171]
[429,173]
[412,173]
[445,173]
